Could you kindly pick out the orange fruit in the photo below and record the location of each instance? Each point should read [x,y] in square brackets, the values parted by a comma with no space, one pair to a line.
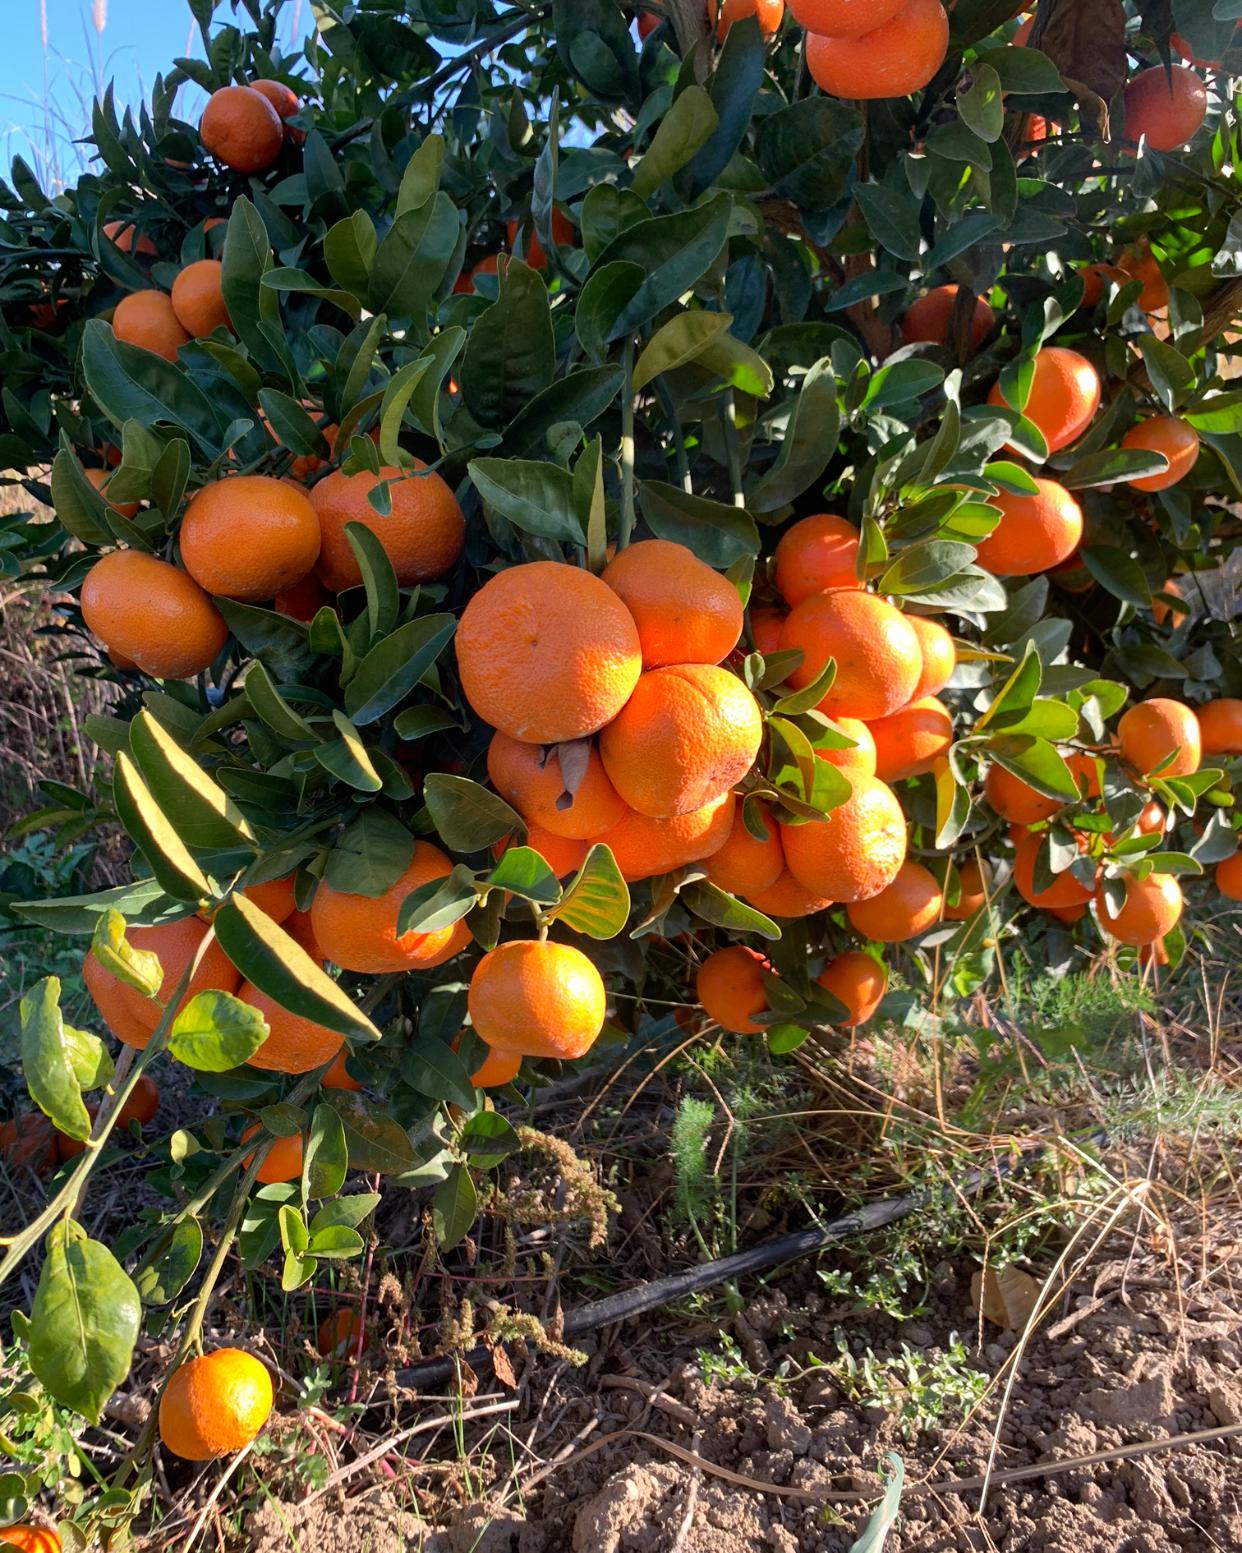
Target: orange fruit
[1170,435]
[684,737]
[198,300]
[1229,877]
[1162,612]
[856,980]
[1220,726]
[939,655]
[788,898]
[1016,800]
[298,926]
[1141,264]
[249,536]
[422,536]
[729,987]
[685,612]
[895,59]
[147,319]
[1095,278]
[28,1142]
[911,741]
[122,234]
[338,1075]
[303,600]
[496,1069]
[99,479]
[274,897]
[531,778]
[242,129]
[745,865]
[547,652]
[1152,730]
[142,1104]
[860,758]
[153,614]
[723,13]
[215,1404]
[816,553]
[929,320]
[1166,107]
[338,1334]
[1065,394]
[563,235]
[130,1016]
[1150,910]
[855,851]
[1186,51]
[537,1000]
[562,854]
[1065,889]
[879,662]
[974,881]
[1034,533]
[644,847]
[30,1539]
[283,98]
[282,1162]
[647,23]
[1153,954]
[1068,914]
[293,1044]
[906,908]
[360,934]
[765,630]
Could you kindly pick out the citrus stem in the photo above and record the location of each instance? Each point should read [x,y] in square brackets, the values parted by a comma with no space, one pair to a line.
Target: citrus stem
[679,439]
[627,444]
[728,416]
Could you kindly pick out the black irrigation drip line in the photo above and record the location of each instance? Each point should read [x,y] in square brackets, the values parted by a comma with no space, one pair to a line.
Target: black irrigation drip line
[769,1253]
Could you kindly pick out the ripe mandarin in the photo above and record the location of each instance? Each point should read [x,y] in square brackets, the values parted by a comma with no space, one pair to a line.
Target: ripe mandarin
[843,18]
[685,612]
[1034,533]
[1066,889]
[765,630]
[895,59]
[422,535]
[974,880]
[547,652]
[359,933]
[929,321]
[1064,395]
[147,319]
[130,1016]
[816,553]
[644,847]
[241,128]
[249,536]
[910,741]
[282,1162]
[215,1404]
[730,990]
[152,614]
[1229,877]
[537,1000]
[1166,107]
[99,479]
[338,1075]
[293,1044]
[1170,435]
[875,649]
[1150,732]
[745,864]
[684,737]
[535,779]
[198,298]
[1016,800]
[563,854]
[27,1538]
[855,851]
[1150,910]
[1220,726]
[907,907]
[858,758]
[787,897]
[122,234]
[723,13]
[856,980]
[939,655]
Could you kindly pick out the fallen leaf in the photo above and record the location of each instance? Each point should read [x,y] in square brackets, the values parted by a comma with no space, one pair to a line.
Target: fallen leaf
[1086,41]
[1007,1298]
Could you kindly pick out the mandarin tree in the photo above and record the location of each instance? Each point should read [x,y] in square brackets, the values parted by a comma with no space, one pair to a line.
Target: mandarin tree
[544,491]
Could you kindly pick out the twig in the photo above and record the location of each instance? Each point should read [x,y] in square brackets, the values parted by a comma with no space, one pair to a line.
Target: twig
[213,1497]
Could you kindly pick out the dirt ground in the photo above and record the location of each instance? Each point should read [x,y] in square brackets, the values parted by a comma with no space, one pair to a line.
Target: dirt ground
[636,1451]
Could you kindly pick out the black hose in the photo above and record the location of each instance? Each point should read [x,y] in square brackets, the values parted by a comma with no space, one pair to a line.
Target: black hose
[769,1253]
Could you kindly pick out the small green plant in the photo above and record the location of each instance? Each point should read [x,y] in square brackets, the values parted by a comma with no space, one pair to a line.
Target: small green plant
[918,1389]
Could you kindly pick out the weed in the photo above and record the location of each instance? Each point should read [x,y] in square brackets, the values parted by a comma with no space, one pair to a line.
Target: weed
[916,1388]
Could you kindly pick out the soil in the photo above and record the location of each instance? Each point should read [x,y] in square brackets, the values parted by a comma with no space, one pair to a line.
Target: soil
[1143,1347]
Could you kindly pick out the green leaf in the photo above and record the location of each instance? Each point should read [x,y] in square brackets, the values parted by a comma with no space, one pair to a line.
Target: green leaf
[81,913]
[923,566]
[687,126]
[421,178]
[401,389]
[673,252]
[435,1070]
[454,1207]
[394,666]
[88,1057]
[982,108]
[79,506]
[810,440]
[733,86]
[137,968]
[165,1277]
[336,1241]
[154,833]
[438,903]
[717,533]
[83,1323]
[371,854]
[596,900]
[347,1211]
[680,340]
[1037,762]
[1110,465]
[487,1138]
[254,309]
[510,353]
[325,1159]
[466,815]
[606,212]
[293,427]
[272,708]
[202,812]
[1015,696]
[807,150]
[349,251]
[129,383]
[216,1031]
[376,1141]
[278,966]
[1171,374]
[892,219]
[715,905]
[523,871]
[347,759]
[537,498]
[413,257]
[1119,573]
[47,1061]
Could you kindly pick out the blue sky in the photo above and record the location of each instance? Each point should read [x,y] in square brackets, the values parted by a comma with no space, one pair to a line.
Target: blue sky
[139,39]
